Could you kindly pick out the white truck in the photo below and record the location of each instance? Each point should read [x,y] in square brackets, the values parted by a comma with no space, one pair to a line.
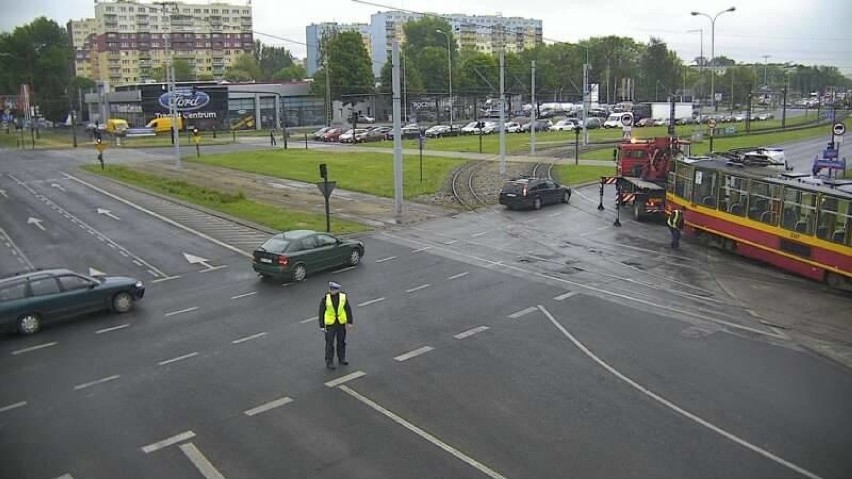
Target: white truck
[662,111]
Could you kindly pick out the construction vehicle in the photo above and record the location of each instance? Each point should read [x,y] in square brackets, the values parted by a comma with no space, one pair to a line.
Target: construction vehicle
[642,168]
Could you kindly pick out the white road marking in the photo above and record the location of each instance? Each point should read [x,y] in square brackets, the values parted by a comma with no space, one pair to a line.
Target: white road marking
[522,312]
[204,466]
[169,278]
[477,235]
[385,259]
[187,310]
[15,249]
[551,215]
[184,436]
[179,358]
[65,476]
[13,406]
[245,295]
[93,383]
[372,301]
[153,273]
[248,338]
[674,407]
[315,318]
[266,407]
[421,249]
[418,288]
[135,261]
[161,217]
[33,348]
[412,354]
[565,295]
[349,377]
[425,435]
[342,270]
[457,276]
[213,268]
[451,242]
[114,328]
[471,332]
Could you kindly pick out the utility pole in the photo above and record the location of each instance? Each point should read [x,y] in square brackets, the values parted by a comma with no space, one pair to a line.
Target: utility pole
[765,71]
[532,111]
[784,106]
[397,133]
[503,107]
[586,99]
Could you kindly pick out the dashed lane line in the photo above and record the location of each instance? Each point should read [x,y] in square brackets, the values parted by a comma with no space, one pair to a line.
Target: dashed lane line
[15,250]
[471,332]
[13,406]
[522,312]
[268,406]
[348,268]
[179,358]
[65,476]
[460,275]
[308,320]
[204,466]
[477,235]
[674,407]
[114,328]
[249,338]
[418,288]
[184,436]
[34,348]
[187,310]
[389,258]
[413,354]
[421,249]
[244,295]
[344,379]
[372,301]
[96,382]
[565,296]
[423,434]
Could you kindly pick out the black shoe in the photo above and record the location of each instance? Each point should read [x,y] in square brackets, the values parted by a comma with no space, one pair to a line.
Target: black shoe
[345,363]
[330,366]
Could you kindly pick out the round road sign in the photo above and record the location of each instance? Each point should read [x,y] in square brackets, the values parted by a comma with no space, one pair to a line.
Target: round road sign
[711,123]
[627,119]
[839,129]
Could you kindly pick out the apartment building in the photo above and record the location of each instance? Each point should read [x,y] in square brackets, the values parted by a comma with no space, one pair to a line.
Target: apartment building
[129,40]
[315,33]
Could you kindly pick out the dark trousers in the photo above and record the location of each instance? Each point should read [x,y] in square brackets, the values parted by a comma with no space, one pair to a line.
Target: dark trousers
[332,334]
[675,237]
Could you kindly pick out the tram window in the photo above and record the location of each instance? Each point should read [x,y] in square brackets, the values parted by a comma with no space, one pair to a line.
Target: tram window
[799,211]
[705,188]
[683,181]
[733,195]
[835,220]
[764,202]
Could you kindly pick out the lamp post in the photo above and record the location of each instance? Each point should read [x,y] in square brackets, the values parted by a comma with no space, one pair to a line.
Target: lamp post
[765,66]
[449,71]
[700,31]
[713,49]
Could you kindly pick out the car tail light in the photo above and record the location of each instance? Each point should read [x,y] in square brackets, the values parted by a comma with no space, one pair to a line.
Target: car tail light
[283,260]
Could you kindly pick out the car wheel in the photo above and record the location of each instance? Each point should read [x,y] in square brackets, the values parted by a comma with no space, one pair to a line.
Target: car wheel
[537,203]
[122,302]
[566,197]
[835,281]
[29,323]
[354,257]
[299,273]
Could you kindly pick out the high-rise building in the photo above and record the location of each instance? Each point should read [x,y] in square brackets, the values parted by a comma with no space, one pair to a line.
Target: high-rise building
[484,33]
[128,40]
[316,33]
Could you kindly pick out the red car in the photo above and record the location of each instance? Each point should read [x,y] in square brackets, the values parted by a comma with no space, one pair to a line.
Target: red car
[332,134]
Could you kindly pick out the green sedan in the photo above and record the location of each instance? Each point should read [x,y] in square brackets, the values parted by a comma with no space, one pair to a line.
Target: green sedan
[295,254]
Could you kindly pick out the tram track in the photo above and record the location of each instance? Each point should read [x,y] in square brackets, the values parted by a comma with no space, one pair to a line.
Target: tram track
[463,186]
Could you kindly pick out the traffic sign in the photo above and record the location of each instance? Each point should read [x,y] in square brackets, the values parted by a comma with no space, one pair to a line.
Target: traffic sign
[326,187]
[711,123]
[627,119]
[839,129]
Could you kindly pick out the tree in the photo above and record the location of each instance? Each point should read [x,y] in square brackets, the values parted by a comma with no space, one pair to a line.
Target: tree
[244,68]
[426,52]
[478,74]
[409,77]
[659,72]
[205,77]
[290,73]
[183,70]
[350,66]
[271,60]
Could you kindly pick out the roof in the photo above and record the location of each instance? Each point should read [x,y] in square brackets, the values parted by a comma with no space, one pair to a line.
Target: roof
[36,273]
[296,234]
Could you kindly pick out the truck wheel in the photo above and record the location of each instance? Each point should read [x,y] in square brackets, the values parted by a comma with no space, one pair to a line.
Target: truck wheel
[637,212]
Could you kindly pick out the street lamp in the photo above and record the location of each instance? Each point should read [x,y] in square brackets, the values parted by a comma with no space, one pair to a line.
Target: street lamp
[700,31]
[713,49]
[449,71]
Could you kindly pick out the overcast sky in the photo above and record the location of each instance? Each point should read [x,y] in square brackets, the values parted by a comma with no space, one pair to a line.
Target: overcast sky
[798,31]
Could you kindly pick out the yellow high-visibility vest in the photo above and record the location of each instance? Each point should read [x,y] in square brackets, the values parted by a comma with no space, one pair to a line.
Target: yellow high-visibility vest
[330,316]
[674,218]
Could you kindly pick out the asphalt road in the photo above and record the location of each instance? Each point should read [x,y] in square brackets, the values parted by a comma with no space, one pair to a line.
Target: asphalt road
[495,344]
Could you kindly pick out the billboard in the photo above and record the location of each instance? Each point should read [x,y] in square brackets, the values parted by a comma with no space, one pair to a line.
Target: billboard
[202,107]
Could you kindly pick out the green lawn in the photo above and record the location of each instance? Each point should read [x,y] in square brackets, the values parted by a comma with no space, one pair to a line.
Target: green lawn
[233,204]
[365,172]
[578,174]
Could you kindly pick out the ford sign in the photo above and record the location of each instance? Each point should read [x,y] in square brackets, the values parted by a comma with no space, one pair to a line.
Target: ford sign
[186,100]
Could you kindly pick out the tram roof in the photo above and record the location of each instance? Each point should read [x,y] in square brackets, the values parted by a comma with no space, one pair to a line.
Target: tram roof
[840,187]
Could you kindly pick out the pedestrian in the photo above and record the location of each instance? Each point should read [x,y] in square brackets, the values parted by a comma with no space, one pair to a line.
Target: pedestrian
[335,317]
[675,224]
[272,137]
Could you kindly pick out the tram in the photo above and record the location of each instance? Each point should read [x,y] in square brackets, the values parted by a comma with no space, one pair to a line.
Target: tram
[794,221]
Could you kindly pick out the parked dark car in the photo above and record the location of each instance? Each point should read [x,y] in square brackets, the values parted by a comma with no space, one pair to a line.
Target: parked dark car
[540,125]
[29,300]
[295,254]
[533,193]
[593,123]
[372,134]
[408,132]
[317,135]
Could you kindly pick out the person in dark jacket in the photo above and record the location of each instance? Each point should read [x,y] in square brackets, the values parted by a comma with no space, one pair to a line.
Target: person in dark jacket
[335,317]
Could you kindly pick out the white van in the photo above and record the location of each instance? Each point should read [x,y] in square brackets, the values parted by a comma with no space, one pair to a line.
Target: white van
[613,121]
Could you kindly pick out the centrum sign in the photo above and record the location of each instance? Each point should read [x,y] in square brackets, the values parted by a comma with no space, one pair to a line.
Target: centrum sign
[185,100]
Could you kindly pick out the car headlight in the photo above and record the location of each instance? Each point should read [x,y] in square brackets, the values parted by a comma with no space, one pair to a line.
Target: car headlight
[138,284]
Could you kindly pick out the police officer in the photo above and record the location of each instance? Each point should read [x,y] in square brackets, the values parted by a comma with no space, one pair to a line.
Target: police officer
[335,317]
[675,224]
